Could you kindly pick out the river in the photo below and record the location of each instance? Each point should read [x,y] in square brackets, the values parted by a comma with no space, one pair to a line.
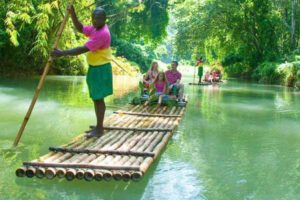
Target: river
[236,141]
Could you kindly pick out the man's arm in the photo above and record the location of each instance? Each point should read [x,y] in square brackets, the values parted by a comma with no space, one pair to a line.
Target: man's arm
[179,79]
[75,20]
[71,52]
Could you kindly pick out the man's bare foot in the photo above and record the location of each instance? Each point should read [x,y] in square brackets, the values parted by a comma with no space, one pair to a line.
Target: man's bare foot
[92,127]
[97,132]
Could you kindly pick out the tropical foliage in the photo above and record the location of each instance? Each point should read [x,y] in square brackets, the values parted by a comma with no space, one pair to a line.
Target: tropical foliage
[247,36]
[30,26]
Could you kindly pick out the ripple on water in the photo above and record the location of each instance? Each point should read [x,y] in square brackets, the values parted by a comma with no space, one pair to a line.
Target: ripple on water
[5,98]
[174,180]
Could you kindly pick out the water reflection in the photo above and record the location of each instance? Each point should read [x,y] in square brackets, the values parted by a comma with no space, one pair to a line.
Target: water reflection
[247,147]
[237,141]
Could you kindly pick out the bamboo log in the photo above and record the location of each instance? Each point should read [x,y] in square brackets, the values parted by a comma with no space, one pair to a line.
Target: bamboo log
[137,129]
[40,172]
[115,158]
[117,175]
[21,172]
[98,175]
[126,175]
[90,174]
[50,172]
[136,176]
[146,114]
[148,161]
[61,172]
[70,174]
[110,152]
[30,171]
[127,146]
[80,174]
[126,160]
[143,141]
[151,144]
[111,160]
[106,175]
[41,82]
[77,141]
[76,165]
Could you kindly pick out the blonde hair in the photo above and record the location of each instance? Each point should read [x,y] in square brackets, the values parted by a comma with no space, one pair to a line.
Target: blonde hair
[152,65]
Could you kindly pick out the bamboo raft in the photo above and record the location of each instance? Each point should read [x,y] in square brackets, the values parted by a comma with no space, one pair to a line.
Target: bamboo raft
[206,83]
[132,140]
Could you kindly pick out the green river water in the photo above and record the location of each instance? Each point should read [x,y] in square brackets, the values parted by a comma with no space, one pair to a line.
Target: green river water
[236,141]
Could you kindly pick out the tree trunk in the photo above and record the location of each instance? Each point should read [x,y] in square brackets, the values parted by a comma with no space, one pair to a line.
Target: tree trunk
[293,23]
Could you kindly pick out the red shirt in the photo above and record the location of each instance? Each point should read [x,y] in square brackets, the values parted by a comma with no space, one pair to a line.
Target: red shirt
[172,77]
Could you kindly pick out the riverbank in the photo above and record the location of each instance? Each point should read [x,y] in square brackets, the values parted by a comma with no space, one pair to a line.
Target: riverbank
[120,66]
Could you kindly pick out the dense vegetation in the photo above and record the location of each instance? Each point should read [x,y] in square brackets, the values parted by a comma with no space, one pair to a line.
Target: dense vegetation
[29,28]
[250,38]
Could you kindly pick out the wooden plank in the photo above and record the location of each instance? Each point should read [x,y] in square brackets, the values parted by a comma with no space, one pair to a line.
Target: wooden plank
[145,114]
[95,151]
[81,165]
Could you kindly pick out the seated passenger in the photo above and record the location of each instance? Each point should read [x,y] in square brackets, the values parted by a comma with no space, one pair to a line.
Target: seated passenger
[160,85]
[173,77]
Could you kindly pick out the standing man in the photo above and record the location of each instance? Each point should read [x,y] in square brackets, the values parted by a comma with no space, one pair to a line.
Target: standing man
[173,79]
[99,76]
[200,64]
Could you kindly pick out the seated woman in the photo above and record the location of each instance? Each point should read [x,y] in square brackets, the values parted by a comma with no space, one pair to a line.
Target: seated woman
[151,75]
[207,76]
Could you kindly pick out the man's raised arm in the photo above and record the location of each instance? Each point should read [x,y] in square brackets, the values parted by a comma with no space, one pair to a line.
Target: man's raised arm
[75,20]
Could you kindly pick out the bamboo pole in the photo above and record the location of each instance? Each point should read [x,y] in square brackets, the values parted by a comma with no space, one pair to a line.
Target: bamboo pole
[41,82]
[129,73]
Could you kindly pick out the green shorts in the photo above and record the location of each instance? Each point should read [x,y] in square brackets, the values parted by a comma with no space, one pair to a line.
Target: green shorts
[100,82]
[200,71]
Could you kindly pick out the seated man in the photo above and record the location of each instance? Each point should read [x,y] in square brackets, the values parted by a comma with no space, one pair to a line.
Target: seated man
[173,79]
